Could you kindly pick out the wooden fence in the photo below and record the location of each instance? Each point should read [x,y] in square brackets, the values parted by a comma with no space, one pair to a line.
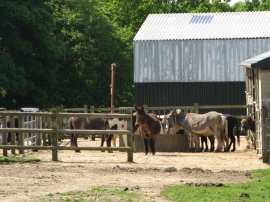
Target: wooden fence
[51,124]
[55,130]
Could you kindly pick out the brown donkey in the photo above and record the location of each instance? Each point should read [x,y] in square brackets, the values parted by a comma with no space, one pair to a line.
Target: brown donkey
[149,127]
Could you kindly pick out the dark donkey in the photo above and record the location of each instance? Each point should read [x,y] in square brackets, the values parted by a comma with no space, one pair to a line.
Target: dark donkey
[149,127]
[231,123]
[79,123]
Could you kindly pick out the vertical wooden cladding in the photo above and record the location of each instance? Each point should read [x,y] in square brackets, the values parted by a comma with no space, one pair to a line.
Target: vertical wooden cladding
[183,94]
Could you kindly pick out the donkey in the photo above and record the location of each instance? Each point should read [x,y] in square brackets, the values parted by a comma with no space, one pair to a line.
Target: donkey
[149,127]
[231,123]
[115,124]
[248,124]
[199,124]
[78,123]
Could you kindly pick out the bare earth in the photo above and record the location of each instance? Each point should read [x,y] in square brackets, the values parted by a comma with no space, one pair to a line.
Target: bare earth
[148,174]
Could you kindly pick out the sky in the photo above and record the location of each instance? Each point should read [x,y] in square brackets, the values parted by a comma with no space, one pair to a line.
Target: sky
[234,1]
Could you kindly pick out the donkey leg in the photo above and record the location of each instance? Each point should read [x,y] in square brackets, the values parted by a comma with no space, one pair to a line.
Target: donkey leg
[76,142]
[232,143]
[72,140]
[220,144]
[212,143]
[108,141]
[197,143]
[102,140]
[202,143]
[152,145]
[103,137]
[145,140]
[206,145]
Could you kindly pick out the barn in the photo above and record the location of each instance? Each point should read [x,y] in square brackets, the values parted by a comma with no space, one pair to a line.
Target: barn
[258,98]
[186,58]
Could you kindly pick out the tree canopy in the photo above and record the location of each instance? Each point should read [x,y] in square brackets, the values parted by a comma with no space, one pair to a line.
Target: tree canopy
[59,52]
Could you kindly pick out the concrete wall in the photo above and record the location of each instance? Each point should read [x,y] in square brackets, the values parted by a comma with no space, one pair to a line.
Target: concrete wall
[164,143]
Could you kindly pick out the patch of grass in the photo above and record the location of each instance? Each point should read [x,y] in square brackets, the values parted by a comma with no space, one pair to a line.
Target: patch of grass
[99,193]
[18,160]
[255,190]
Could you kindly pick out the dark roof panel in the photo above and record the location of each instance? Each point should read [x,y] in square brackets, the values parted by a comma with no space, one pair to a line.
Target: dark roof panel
[260,61]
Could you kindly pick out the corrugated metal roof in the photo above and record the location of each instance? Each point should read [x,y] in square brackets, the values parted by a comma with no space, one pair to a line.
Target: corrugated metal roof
[188,26]
[259,61]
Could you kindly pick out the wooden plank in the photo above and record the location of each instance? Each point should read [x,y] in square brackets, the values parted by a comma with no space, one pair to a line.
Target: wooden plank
[54,135]
[20,140]
[4,137]
[124,149]
[130,141]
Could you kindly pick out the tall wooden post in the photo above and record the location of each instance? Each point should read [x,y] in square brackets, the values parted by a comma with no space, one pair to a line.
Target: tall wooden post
[12,134]
[130,139]
[54,134]
[112,87]
[268,130]
[92,110]
[4,140]
[196,108]
[38,125]
[21,139]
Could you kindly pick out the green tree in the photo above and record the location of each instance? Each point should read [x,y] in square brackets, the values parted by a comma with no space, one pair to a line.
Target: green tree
[91,44]
[264,5]
[28,53]
[247,5]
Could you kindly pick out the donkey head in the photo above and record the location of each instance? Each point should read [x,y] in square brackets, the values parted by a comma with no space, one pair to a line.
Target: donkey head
[171,118]
[140,116]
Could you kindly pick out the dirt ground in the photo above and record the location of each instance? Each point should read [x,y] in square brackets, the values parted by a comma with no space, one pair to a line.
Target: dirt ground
[148,174]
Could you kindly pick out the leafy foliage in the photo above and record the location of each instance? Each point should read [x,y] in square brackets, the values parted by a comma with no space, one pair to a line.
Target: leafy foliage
[28,53]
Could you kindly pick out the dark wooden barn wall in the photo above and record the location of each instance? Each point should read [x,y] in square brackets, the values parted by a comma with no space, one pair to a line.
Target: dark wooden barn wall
[183,94]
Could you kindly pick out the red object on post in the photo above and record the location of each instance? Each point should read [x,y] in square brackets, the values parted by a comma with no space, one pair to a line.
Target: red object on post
[112,86]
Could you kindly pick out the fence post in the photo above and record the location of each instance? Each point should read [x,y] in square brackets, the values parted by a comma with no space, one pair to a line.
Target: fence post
[146,108]
[268,130]
[60,121]
[92,110]
[39,125]
[130,139]
[196,108]
[21,139]
[54,134]
[44,125]
[4,137]
[12,134]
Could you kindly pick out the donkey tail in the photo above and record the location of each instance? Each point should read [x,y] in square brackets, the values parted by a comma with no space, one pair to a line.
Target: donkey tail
[237,134]
[221,130]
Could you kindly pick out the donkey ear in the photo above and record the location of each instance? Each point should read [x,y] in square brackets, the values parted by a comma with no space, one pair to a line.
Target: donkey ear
[136,108]
[142,108]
